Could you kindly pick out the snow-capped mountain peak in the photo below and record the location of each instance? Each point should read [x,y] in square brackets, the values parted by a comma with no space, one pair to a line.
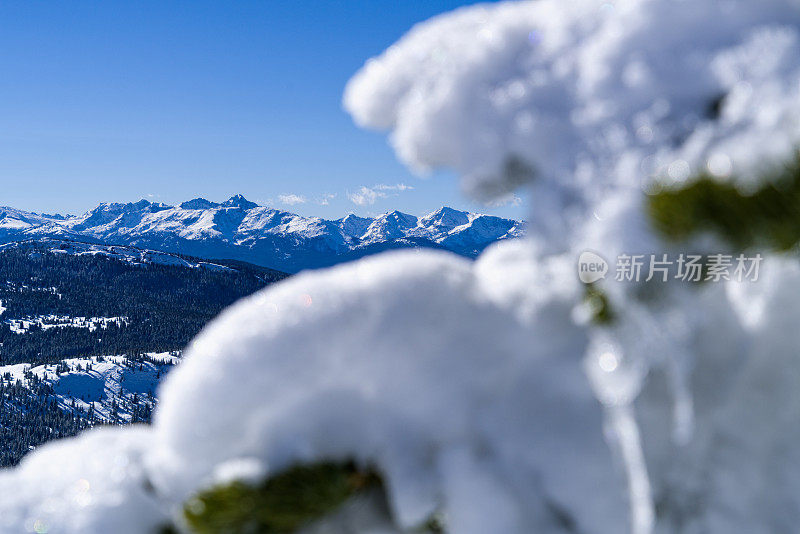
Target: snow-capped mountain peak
[446,217]
[389,226]
[353,225]
[238,201]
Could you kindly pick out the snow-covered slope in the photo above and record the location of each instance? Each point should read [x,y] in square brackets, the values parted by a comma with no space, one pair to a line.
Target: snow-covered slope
[242,230]
[109,389]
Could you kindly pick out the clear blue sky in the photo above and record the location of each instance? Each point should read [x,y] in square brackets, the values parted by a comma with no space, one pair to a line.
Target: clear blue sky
[117,101]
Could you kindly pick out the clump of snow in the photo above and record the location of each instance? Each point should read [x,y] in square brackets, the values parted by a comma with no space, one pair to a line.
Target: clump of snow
[90,484]
[585,93]
[597,103]
[413,363]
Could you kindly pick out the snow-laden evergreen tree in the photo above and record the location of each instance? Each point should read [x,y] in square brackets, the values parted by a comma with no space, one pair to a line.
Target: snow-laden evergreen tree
[423,392]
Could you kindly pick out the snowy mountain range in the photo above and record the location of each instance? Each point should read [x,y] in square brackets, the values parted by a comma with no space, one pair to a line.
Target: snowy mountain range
[242,230]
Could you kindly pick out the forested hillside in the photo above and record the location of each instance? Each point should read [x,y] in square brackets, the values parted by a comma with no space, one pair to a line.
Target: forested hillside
[80,325]
[65,300]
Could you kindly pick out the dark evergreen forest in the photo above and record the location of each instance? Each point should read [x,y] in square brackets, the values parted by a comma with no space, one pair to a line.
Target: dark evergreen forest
[165,305]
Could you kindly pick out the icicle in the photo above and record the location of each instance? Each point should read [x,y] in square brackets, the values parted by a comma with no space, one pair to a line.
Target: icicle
[683,402]
[626,431]
[616,382]
[670,338]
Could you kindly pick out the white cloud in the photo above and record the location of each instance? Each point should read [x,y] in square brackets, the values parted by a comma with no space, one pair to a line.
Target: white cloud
[292,199]
[368,195]
[365,196]
[326,198]
[506,200]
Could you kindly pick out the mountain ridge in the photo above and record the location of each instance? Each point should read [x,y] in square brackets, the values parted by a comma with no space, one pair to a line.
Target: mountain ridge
[243,230]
